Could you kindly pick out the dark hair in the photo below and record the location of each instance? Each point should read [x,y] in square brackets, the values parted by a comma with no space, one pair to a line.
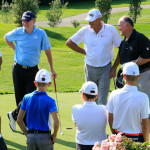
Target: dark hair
[131,78]
[90,96]
[128,20]
[41,84]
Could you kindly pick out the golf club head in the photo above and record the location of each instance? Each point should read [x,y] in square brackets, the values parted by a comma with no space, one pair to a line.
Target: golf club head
[61,132]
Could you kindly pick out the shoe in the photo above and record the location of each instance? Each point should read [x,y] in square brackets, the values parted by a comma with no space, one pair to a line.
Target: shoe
[12,122]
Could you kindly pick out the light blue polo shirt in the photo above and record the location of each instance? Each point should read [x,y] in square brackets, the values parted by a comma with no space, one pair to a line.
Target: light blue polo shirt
[38,107]
[28,46]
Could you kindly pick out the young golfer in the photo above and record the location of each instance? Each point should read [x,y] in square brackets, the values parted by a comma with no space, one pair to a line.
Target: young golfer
[128,108]
[39,108]
[89,118]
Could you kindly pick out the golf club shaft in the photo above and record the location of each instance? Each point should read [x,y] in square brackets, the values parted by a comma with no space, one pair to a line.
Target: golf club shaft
[114,83]
[57,105]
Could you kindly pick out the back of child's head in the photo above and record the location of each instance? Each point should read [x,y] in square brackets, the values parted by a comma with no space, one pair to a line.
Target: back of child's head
[43,77]
[89,89]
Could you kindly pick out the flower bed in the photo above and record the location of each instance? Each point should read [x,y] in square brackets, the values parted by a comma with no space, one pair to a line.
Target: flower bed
[119,142]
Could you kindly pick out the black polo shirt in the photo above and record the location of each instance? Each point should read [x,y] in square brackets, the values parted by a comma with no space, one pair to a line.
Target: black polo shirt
[137,45]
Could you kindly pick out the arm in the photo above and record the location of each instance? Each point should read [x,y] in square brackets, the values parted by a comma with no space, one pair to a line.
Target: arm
[75,47]
[56,126]
[50,61]
[142,61]
[114,67]
[11,44]
[145,129]
[0,62]
[110,120]
[21,122]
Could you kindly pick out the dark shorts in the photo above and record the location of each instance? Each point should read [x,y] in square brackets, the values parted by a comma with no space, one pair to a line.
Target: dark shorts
[2,144]
[84,147]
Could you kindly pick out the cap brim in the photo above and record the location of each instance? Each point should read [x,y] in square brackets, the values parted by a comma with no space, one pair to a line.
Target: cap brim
[90,19]
[26,19]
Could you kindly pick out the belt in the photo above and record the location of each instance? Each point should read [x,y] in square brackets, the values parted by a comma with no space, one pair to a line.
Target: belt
[134,134]
[25,67]
[38,131]
[145,69]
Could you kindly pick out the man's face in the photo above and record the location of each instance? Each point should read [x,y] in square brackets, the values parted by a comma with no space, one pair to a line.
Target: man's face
[94,23]
[28,24]
[122,27]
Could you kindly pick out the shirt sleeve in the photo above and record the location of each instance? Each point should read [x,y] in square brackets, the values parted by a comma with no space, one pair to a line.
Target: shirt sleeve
[78,37]
[116,37]
[144,46]
[0,54]
[53,106]
[23,105]
[12,35]
[73,114]
[145,108]
[45,44]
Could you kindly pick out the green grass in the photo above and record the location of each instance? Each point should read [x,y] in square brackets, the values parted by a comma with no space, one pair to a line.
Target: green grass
[68,64]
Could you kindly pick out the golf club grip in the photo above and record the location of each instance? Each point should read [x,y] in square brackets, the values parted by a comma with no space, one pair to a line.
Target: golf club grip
[55,85]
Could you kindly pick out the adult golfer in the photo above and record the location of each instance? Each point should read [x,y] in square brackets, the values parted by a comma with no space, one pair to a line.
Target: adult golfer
[135,47]
[128,108]
[29,42]
[99,39]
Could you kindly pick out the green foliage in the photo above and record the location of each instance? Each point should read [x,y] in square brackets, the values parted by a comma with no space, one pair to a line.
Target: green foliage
[75,23]
[105,8]
[55,12]
[20,6]
[6,15]
[135,9]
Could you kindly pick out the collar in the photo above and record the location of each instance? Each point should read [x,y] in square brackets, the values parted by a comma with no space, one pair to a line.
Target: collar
[35,28]
[40,92]
[132,35]
[130,87]
[89,103]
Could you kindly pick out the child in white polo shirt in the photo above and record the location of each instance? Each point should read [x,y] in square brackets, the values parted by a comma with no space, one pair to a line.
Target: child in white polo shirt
[89,118]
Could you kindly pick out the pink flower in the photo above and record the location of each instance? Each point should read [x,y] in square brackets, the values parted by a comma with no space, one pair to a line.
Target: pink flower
[112,137]
[118,137]
[96,146]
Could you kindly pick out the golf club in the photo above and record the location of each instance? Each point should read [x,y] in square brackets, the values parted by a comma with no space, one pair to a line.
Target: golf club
[60,131]
[115,83]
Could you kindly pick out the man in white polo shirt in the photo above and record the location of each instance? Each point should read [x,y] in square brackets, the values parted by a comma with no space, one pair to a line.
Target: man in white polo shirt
[89,118]
[99,39]
[128,108]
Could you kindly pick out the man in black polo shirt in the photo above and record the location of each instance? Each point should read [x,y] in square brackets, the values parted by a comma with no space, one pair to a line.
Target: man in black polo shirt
[135,47]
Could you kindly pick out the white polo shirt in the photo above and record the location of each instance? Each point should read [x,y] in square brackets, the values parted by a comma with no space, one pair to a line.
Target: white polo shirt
[0,54]
[99,47]
[91,120]
[129,106]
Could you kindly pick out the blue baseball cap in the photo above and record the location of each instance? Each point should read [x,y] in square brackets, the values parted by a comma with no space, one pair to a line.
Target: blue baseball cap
[28,15]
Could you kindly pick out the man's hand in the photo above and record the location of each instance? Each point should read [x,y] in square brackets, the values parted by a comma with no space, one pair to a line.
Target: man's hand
[112,73]
[54,74]
[53,138]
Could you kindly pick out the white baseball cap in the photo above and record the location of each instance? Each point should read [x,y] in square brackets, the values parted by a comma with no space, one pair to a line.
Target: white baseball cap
[93,15]
[89,88]
[43,76]
[131,68]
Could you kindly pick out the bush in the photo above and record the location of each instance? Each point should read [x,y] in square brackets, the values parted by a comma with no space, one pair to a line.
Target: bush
[6,14]
[135,9]
[20,6]
[104,7]
[55,12]
[75,23]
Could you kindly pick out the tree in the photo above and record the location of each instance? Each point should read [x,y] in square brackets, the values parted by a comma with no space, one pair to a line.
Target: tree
[104,7]
[135,9]
[20,6]
[55,12]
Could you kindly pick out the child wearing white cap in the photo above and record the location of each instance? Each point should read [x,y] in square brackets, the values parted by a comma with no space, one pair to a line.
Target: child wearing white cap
[39,108]
[89,118]
[128,108]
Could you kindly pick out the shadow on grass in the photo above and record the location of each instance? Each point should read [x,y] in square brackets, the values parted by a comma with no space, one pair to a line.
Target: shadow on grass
[66,143]
[15,145]
[55,35]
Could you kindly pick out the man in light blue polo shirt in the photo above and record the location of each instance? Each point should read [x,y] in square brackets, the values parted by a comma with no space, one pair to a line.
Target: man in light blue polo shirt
[29,42]
[39,108]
